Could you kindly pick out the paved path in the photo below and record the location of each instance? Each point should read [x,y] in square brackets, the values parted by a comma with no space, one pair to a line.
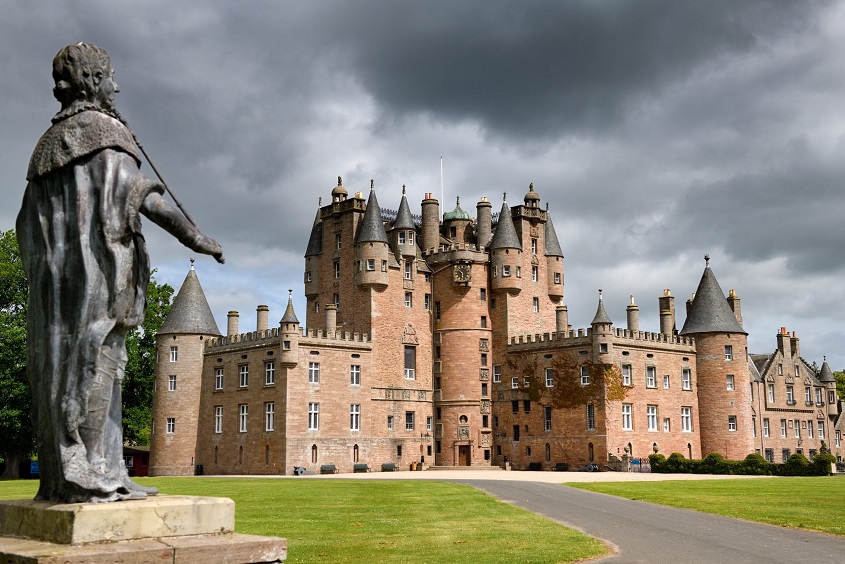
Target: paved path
[640,532]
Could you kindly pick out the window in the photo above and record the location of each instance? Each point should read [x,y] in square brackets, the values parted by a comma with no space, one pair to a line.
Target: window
[409,420]
[410,363]
[308,277]
[336,269]
[337,241]
[667,425]
[797,373]
[408,299]
[627,417]
[785,454]
[783,428]
[243,372]
[780,369]
[797,426]
[585,375]
[729,352]
[535,304]
[482,294]
[171,425]
[371,265]
[686,379]
[808,396]
[269,416]
[790,399]
[401,237]
[665,381]
[550,378]
[650,377]
[336,300]
[218,378]
[355,375]
[557,277]
[243,412]
[389,422]
[731,422]
[497,373]
[483,358]
[174,354]
[591,417]
[819,401]
[651,412]
[519,272]
[526,382]
[218,418]
[399,451]
[313,416]
[602,347]
[686,419]
[384,266]
[514,382]
[770,455]
[355,417]
[516,432]
[770,392]
[626,374]
[171,383]
[810,429]
[484,389]
[269,373]
[484,322]
[436,310]
[410,237]
[533,246]
[729,382]
[837,438]
[821,430]
[407,270]
[766,427]
[547,418]
[526,406]
[506,270]
[313,372]
[515,406]
[534,273]
[427,302]
[429,422]
[831,397]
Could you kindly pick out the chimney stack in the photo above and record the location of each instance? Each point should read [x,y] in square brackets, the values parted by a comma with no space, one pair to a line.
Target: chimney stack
[262,316]
[232,326]
[667,312]
[733,301]
[331,320]
[484,212]
[562,319]
[633,316]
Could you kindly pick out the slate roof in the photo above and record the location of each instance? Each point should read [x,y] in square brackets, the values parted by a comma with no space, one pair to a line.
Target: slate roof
[601,314]
[710,312]
[371,229]
[826,374]
[290,315]
[505,236]
[404,220]
[552,245]
[190,313]
[315,242]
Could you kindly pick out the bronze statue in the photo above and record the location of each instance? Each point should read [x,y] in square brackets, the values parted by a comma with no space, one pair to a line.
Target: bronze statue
[79,232]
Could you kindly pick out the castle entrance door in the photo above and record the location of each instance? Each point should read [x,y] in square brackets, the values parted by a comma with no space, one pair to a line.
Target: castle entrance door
[464,455]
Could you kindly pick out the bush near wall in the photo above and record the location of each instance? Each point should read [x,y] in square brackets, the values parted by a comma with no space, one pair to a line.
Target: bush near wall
[754,464]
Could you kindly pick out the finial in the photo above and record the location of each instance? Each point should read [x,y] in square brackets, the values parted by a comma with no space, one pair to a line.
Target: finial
[547,206]
[632,299]
[504,196]
[707,261]
[372,184]
[192,262]
[339,181]
[290,292]
[599,294]
[320,202]
[531,187]
[403,189]
[458,201]
[824,358]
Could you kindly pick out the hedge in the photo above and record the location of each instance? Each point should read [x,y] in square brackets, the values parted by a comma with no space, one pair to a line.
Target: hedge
[754,464]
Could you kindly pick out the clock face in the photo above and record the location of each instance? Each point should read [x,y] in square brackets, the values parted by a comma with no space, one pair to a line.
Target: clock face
[462,272]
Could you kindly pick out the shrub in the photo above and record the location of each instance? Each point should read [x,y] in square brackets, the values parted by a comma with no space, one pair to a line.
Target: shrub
[821,464]
[796,465]
[754,464]
[656,462]
[675,464]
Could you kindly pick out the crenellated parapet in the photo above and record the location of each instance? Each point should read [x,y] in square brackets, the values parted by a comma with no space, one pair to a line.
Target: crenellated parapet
[272,336]
[584,337]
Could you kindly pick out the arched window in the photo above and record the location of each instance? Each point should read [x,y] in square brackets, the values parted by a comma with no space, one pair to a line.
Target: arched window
[314,454]
[590,452]
[355,453]
[548,452]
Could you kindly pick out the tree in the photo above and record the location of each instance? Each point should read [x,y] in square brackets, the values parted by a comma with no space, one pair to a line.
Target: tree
[15,407]
[840,383]
[140,368]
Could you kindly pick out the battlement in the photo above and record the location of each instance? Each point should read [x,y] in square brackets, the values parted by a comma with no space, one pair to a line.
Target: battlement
[581,337]
[453,248]
[649,336]
[341,336]
[259,338]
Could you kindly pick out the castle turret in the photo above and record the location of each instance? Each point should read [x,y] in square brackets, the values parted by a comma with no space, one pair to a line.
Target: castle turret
[505,251]
[430,223]
[456,223]
[312,255]
[721,346]
[179,351]
[404,232]
[602,333]
[667,312]
[289,326]
[828,380]
[633,311]
[554,259]
[371,246]
[484,219]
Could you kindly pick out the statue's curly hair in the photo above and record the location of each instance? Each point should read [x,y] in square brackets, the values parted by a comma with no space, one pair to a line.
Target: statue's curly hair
[73,69]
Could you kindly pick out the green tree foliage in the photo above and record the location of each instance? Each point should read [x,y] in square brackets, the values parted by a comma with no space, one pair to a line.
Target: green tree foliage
[840,383]
[140,369]
[16,430]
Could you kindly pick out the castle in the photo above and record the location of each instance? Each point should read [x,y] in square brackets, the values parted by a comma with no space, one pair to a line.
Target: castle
[447,343]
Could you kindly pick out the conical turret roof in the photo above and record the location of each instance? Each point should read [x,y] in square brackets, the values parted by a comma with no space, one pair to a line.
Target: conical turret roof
[505,236]
[371,229]
[826,374]
[457,213]
[552,246]
[710,312]
[290,315]
[404,219]
[190,313]
[315,242]
[601,314]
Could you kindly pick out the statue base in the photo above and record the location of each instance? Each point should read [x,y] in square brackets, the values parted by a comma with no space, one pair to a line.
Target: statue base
[157,529]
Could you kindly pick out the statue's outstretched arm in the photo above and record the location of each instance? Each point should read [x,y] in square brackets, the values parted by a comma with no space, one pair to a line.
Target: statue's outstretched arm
[174,222]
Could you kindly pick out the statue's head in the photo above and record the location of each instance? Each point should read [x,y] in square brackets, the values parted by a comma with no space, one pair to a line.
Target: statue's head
[83,73]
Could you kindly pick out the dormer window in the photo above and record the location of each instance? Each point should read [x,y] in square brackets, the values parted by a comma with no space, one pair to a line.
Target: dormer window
[401,237]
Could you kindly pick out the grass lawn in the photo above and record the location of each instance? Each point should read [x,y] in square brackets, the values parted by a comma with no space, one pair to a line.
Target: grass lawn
[806,503]
[379,521]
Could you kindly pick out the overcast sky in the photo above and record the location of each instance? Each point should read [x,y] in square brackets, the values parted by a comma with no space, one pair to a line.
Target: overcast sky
[658,131]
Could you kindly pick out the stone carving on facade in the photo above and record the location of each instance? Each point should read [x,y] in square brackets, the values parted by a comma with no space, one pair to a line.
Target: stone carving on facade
[421,395]
[484,374]
[485,406]
[406,394]
[485,439]
[463,432]
[409,335]
[388,394]
[484,345]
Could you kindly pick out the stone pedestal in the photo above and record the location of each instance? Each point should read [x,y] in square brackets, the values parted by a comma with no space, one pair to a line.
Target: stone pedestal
[157,529]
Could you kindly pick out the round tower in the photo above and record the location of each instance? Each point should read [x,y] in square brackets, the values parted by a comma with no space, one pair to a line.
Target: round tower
[430,223]
[289,326]
[404,232]
[633,311]
[724,415]
[180,344]
[484,217]
[372,250]
[554,259]
[602,334]
[505,254]
[312,255]
[456,224]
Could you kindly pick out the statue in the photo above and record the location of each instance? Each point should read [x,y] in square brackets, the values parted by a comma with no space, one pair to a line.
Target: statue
[79,232]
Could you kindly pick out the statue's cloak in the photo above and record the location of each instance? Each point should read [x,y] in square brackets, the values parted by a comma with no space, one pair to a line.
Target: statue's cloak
[88,270]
